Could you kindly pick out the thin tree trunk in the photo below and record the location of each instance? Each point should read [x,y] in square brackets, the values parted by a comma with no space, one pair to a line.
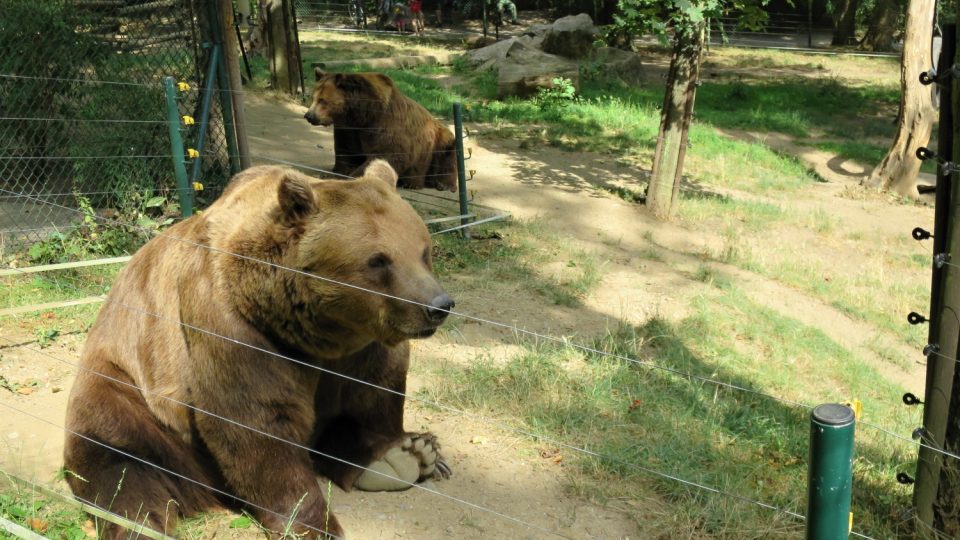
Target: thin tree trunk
[899,169]
[282,49]
[845,25]
[675,118]
[881,26]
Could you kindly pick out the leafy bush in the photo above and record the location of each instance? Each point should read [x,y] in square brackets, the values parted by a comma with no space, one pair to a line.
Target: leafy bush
[560,95]
[115,234]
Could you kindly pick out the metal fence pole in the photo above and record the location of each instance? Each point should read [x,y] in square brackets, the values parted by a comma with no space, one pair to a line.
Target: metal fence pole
[184,190]
[461,173]
[204,123]
[830,472]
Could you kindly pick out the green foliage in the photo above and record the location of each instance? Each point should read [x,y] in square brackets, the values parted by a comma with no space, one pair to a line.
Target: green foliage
[128,229]
[663,17]
[558,96]
[41,514]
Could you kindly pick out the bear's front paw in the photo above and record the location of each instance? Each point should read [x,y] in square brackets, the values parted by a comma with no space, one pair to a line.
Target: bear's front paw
[416,458]
[427,450]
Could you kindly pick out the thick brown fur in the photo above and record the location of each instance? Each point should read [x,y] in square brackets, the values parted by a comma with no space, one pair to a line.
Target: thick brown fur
[189,323]
[372,119]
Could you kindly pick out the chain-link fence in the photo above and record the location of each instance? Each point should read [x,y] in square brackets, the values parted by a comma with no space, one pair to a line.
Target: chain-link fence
[83,120]
[336,13]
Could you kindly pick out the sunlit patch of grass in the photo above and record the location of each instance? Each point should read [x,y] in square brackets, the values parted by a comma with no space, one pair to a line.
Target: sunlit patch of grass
[639,421]
[524,253]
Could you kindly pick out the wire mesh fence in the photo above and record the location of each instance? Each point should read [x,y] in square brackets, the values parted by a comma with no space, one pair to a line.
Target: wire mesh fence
[64,132]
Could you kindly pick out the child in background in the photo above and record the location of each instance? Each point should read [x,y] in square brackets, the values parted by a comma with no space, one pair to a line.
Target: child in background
[416,10]
[401,16]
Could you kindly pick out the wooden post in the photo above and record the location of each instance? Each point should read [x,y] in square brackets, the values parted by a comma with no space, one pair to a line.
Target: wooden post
[232,62]
[935,495]
[283,49]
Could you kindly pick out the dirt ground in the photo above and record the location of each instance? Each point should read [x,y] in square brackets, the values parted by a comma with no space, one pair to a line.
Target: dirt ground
[502,486]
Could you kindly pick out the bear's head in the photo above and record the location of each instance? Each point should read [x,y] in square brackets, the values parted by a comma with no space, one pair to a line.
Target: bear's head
[349,99]
[351,263]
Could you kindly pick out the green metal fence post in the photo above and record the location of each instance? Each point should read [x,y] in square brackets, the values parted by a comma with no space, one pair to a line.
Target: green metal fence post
[204,120]
[461,173]
[830,472]
[184,189]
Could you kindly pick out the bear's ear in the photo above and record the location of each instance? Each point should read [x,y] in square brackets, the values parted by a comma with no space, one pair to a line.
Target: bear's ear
[382,171]
[318,73]
[297,200]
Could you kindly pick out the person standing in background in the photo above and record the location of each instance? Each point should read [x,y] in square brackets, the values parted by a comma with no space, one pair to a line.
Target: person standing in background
[416,11]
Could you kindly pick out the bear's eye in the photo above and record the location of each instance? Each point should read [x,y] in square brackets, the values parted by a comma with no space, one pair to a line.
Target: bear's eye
[378,261]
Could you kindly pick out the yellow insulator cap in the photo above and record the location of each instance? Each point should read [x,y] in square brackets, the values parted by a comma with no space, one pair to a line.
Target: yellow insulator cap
[197,186]
[188,120]
[192,154]
[857,407]
[182,86]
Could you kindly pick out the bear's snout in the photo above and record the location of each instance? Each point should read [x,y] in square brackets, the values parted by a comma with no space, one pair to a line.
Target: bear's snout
[439,308]
[310,117]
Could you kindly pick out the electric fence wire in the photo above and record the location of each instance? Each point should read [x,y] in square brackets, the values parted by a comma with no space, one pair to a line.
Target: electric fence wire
[537,335]
[517,331]
[559,340]
[158,85]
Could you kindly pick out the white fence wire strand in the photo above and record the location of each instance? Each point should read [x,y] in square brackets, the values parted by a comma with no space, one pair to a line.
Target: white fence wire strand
[498,424]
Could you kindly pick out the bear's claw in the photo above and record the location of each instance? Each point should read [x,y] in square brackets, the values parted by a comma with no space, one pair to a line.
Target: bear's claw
[415,459]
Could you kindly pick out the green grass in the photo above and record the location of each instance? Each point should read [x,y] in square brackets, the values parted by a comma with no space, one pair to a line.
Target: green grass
[640,419]
[55,286]
[41,513]
[856,295]
[524,253]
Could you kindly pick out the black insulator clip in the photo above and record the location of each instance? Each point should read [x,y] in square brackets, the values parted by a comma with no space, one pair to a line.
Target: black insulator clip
[919,233]
[915,318]
[910,399]
[931,76]
[924,153]
[904,478]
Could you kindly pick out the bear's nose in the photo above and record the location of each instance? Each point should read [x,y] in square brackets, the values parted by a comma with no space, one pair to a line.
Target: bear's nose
[308,116]
[439,308]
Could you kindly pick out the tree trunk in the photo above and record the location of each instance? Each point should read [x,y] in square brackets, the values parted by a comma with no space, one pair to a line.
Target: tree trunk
[675,121]
[899,169]
[282,48]
[845,25]
[882,26]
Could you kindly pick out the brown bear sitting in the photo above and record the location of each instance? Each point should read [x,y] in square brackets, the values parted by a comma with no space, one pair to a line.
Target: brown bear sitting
[372,119]
[233,350]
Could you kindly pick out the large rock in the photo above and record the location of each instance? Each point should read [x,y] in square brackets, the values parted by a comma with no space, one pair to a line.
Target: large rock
[545,52]
[624,65]
[533,69]
[571,36]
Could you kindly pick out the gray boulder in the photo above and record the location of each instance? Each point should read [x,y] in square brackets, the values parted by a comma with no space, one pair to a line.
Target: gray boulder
[571,36]
[531,69]
[625,65]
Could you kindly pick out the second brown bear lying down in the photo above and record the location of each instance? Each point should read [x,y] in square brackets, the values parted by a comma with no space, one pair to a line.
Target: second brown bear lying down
[372,119]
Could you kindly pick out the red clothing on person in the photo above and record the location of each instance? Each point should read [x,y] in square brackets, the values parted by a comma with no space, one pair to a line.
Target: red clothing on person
[415,6]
